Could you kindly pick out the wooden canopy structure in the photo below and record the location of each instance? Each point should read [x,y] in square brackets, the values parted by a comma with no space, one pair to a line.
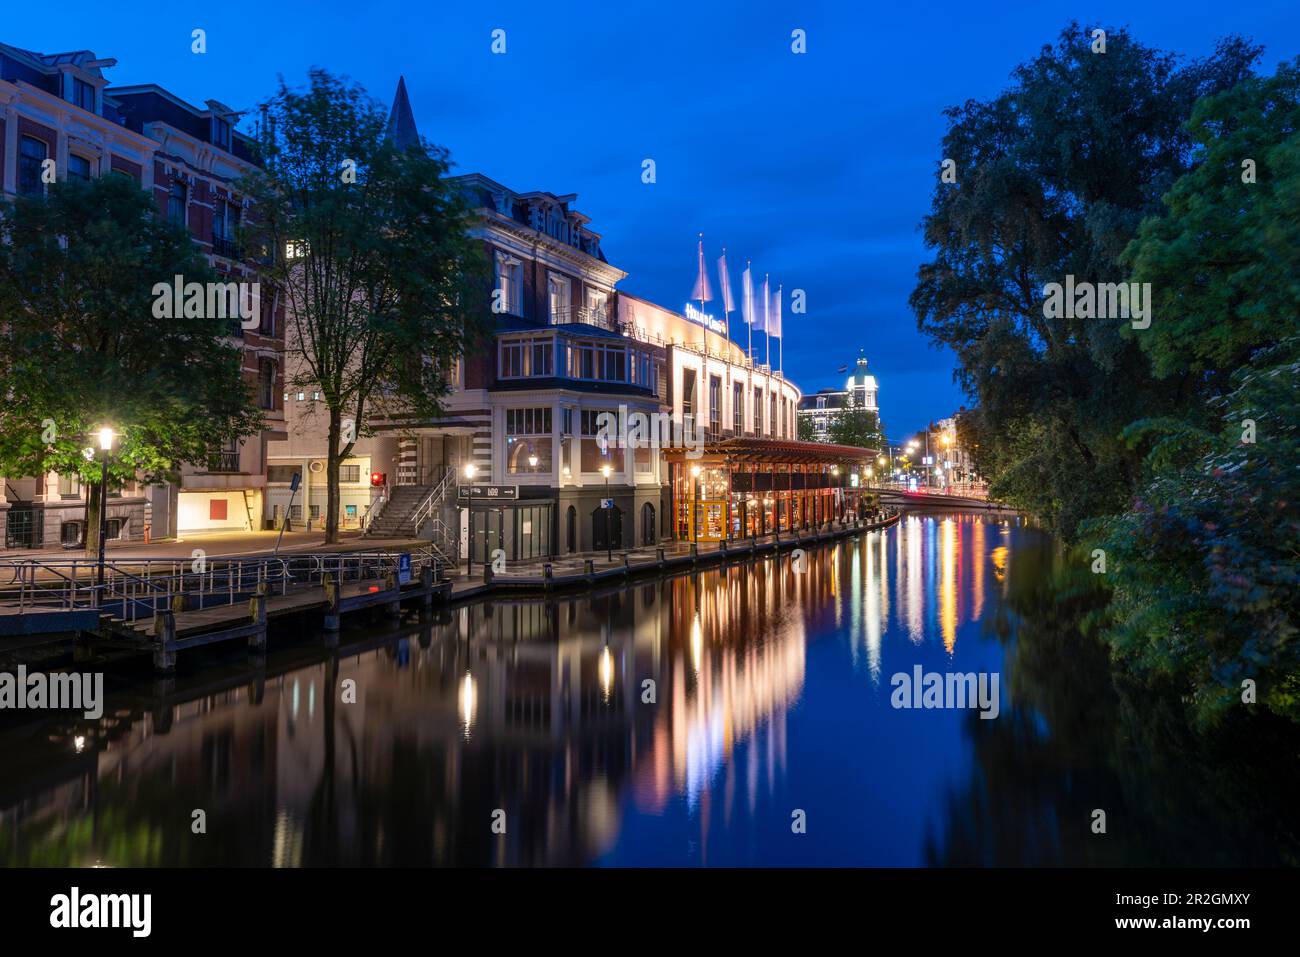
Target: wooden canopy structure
[742,487]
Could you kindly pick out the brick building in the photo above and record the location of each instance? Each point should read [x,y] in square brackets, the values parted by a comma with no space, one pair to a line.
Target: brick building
[60,106]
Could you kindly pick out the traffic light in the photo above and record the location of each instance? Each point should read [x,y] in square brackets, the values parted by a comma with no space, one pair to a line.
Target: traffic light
[378,479]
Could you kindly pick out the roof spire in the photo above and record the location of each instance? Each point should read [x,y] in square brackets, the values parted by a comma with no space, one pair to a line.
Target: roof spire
[401,121]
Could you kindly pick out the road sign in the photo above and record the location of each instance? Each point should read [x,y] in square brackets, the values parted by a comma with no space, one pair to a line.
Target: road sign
[404,568]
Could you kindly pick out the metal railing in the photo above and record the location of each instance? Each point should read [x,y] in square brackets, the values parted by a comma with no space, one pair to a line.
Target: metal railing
[135,589]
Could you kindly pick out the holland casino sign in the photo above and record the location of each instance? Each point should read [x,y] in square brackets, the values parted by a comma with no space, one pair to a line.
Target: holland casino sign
[706,320]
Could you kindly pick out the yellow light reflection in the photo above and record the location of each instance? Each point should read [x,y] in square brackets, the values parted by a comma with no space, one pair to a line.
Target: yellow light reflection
[468,702]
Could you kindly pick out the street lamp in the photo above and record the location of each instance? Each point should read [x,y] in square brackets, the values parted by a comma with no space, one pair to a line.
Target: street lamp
[605,470]
[695,502]
[106,437]
[470,471]
[532,462]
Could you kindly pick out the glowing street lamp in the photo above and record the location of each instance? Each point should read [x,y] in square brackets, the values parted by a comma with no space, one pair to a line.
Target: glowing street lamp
[606,470]
[106,438]
[470,471]
[695,502]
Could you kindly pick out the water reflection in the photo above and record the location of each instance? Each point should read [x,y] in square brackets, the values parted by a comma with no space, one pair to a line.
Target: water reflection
[676,721]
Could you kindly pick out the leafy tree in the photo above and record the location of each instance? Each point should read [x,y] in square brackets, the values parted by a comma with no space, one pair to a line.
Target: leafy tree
[856,427]
[1054,176]
[1205,566]
[1223,259]
[80,346]
[806,432]
[369,245]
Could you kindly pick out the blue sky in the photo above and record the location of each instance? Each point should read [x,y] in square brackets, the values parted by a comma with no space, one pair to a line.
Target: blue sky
[817,167]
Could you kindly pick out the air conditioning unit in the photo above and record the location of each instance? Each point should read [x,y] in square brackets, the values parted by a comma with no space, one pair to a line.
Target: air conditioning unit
[317,466]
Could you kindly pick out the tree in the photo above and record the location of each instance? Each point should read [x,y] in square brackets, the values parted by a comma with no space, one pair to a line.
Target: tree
[856,427]
[81,347]
[806,431]
[369,245]
[1203,567]
[1054,176]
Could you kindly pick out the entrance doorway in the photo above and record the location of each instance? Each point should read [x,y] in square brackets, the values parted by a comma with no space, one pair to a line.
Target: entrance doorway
[606,528]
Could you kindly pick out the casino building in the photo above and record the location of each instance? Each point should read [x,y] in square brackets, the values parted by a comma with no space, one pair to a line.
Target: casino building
[523,457]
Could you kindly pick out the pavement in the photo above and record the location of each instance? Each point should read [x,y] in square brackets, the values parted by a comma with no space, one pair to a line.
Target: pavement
[219,545]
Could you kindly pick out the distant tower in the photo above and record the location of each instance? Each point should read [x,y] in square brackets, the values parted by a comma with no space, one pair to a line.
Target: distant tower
[862,387]
[401,121]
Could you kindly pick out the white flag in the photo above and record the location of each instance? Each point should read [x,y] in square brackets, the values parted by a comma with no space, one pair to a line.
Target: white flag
[702,292]
[747,296]
[724,278]
[774,320]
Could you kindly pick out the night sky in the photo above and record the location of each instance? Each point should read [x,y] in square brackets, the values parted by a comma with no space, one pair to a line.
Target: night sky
[818,167]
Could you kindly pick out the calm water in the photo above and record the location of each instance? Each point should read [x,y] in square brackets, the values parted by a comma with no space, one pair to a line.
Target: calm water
[772,694]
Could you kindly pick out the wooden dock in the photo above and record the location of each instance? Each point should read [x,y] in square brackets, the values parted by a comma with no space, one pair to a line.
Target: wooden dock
[170,632]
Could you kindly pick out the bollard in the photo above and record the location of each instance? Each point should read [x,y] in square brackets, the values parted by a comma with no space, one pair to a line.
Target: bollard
[164,637]
[331,607]
[426,586]
[588,568]
[695,553]
[393,609]
[548,574]
[627,564]
[257,612]
[659,555]
[487,574]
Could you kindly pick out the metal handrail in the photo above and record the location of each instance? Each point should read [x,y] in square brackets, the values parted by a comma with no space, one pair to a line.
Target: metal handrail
[424,511]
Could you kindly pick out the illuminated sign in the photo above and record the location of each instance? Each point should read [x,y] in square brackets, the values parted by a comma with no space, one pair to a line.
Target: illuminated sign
[706,320]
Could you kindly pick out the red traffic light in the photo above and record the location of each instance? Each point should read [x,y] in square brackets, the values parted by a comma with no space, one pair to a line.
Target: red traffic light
[378,478]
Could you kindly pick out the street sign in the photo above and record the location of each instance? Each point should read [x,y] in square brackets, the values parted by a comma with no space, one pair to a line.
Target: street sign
[295,481]
[404,568]
[494,492]
[606,503]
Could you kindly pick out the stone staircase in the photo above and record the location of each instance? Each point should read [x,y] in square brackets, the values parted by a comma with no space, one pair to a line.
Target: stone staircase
[396,517]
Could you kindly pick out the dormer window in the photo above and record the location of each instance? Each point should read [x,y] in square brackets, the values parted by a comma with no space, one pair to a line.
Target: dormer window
[221,133]
[82,94]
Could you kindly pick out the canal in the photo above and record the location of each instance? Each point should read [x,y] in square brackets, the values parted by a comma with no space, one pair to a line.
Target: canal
[738,716]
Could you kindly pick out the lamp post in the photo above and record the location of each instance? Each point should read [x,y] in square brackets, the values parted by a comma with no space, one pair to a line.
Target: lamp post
[695,503]
[470,471]
[106,437]
[605,470]
[532,462]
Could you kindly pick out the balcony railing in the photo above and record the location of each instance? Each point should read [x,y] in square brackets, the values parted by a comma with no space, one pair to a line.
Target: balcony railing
[225,247]
[592,317]
[225,462]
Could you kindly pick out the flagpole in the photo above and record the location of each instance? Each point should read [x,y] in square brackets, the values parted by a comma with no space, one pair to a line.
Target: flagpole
[780,341]
[726,295]
[767,323]
[750,324]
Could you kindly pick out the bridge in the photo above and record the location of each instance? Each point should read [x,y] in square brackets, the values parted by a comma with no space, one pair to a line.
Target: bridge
[954,496]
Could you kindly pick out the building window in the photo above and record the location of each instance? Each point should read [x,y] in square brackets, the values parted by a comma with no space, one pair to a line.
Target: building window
[560,297]
[83,94]
[350,473]
[715,404]
[758,412]
[774,424]
[221,133]
[528,441]
[70,486]
[595,450]
[281,473]
[597,300]
[78,167]
[70,534]
[115,528]
[176,202]
[738,409]
[225,223]
[509,283]
[266,383]
[522,358]
[31,158]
